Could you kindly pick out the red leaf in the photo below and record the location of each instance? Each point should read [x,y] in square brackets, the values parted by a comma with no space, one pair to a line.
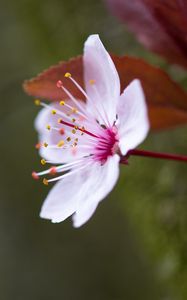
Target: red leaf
[161,26]
[167,102]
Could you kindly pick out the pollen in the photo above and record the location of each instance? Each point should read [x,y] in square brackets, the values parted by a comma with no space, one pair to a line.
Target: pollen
[60,121]
[53,112]
[61,131]
[73,120]
[60,143]
[76,127]
[59,84]
[35,175]
[62,103]
[45,181]
[68,139]
[45,145]
[67,75]
[73,131]
[48,127]
[37,102]
[76,140]
[91,81]
[43,161]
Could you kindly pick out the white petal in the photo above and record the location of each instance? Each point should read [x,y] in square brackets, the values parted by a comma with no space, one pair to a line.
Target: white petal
[81,192]
[99,182]
[133,123]
[61,201]
[99,66]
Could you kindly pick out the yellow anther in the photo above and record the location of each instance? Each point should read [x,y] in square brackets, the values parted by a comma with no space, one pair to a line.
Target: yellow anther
[62,102]
[91,81]
[45,145]
[73,131]
[60,143]
[48,127]
[73,120]
[45,181]
[76,127]
[68,139]
[74,110]
[59,120]
[43,161]
[67,75]
[53,112]
[37,102]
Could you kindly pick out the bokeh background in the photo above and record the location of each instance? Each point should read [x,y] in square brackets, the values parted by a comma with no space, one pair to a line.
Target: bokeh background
[135,246]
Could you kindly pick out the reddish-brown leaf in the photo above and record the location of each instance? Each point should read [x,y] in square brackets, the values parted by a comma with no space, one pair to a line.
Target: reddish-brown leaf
[167,102]
[159,25]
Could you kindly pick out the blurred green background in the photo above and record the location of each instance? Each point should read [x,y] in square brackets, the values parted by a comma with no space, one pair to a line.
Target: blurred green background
[135,246]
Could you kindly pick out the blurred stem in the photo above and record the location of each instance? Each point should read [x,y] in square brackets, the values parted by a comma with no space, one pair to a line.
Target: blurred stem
[137,152]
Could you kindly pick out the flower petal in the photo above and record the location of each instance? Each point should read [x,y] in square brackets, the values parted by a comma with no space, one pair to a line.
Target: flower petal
[61,201]
[100,182]
[98,66]
[81,192]
[133,123]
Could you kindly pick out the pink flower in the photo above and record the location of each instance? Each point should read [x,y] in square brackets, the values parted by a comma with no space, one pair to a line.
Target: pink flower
[88,139]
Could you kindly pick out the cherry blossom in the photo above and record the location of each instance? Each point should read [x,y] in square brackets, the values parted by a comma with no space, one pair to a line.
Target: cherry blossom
[84,141]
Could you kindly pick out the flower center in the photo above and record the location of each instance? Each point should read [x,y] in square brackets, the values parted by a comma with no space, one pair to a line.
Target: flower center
[107,145]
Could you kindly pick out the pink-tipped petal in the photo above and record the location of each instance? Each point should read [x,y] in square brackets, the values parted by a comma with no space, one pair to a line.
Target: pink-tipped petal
[101,181]
[99,67]
[133,120]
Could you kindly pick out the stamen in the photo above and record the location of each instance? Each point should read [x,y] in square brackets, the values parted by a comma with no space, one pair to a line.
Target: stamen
[45,181]
[73,131]
[48,127]
[43,161]
[45,144]
[71,173]
[61,131]
[53,171]
[67,75]
[62,103]
[38,146]
[62,168]
[37,102]
[60,143]
[53,112]
[35,175]
[60,85]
